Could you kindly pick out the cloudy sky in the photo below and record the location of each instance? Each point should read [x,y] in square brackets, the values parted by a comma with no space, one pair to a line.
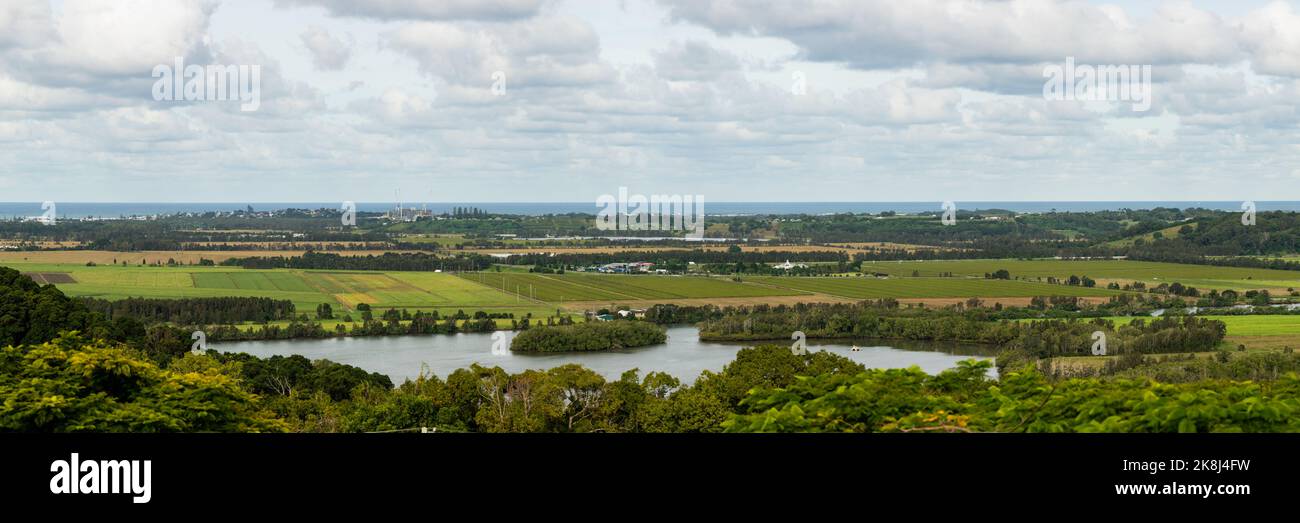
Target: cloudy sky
[852,100]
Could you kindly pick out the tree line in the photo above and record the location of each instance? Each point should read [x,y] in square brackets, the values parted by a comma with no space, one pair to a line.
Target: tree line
[193,311]
[389,261]
[419,323]
[1038,339]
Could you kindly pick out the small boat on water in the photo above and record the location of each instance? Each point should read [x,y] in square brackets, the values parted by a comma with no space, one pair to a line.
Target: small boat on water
[855,348]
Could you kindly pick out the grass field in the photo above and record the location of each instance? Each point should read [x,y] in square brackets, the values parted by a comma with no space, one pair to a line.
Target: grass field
[383,289]
[561,288]
[1124,271]
[872,288]
[307,289]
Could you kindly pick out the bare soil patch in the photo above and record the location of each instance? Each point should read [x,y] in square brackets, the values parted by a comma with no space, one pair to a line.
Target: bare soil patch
[50,277]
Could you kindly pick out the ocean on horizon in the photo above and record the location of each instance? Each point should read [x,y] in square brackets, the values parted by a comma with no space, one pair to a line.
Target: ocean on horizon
[78,210]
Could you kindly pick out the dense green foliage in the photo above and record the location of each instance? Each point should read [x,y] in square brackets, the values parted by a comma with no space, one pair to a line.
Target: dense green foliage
[1224,235]
[671,314]
[591,336]
[1045,339]
[568,398]
[194,311]
[31,313]
[287,375]
[1184,368]
[885,319]
[72,385]
[908,400]
[401,323]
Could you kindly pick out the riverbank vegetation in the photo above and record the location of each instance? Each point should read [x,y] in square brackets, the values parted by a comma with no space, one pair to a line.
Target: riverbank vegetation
[885,319]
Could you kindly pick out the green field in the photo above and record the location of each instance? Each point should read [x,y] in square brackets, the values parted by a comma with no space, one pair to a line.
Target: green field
[540,293]
[265,281]
[601,287]
[530,292]
[307,289]
[1201,276]
[872,288]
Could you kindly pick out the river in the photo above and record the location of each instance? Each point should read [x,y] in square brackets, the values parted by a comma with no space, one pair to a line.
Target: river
[683,356]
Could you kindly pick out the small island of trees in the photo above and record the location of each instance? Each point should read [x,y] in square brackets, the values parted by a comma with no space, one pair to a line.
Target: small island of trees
[594,336]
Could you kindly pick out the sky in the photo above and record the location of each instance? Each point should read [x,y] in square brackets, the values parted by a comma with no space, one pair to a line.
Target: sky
[566,100]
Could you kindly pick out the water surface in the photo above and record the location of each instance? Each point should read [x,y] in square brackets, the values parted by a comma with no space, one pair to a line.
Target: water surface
[683,356]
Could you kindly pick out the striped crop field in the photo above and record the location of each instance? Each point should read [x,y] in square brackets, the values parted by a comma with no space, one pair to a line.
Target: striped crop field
[307,289]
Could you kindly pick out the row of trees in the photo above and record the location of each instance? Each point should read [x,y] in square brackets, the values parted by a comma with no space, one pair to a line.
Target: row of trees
[1175,253]
[1040,339]
[389,261]
[1052,338]
[419,323]
[193,311]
